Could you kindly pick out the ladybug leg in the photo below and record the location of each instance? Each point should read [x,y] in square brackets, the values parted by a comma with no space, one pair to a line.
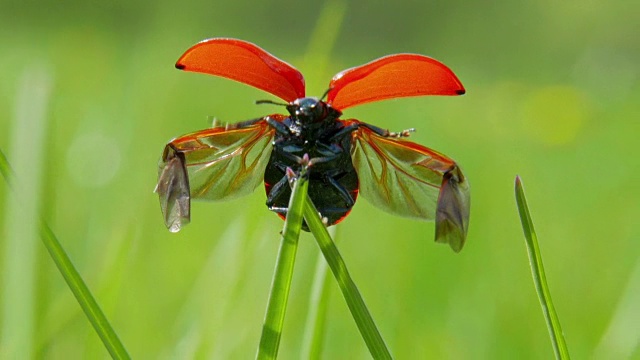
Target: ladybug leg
[276,125]
[279,210]
[345,131]
[329,152]
[286,152]
[344,193]
[386,133]
[282,186]
[322,159]
[279,127]
[238,125]
[278,189]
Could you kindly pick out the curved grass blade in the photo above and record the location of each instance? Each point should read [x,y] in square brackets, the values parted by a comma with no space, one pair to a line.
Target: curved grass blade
[73,279]
[359,311]
[281,284]
[539,278]
[317,311]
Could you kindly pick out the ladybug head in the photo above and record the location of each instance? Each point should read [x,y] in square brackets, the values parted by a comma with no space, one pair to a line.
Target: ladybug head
[309,110]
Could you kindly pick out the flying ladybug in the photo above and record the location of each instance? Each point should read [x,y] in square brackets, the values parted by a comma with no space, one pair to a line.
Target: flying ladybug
[345,157]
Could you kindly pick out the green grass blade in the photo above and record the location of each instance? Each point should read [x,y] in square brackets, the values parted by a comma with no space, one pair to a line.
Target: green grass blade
[281,284]
[356,304]
[83,294]
[5,170]
[316,313]
[18,261]
[323,39]
[539,279]
[77,286]
[621,339]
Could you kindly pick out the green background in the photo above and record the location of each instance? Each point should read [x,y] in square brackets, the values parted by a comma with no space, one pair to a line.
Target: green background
[89,96]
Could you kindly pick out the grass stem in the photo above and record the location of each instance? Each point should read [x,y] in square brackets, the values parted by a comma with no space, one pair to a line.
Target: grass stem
[359,311]
[281,284]
[317,311]
[77,286]
[539,278]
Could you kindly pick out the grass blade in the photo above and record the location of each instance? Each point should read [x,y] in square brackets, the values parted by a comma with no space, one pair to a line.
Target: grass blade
[359,311]
[281,284]
[621,339]
[83,294]
[316,313]
[323,39]
[539,279]
[19,254]
[5,170]
[77,286]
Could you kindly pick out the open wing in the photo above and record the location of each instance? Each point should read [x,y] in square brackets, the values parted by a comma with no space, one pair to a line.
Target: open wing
[410,180]
[392,76]
[244,62]
[213,164]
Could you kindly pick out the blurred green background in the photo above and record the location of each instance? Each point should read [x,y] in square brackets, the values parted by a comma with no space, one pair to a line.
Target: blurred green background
[89,96]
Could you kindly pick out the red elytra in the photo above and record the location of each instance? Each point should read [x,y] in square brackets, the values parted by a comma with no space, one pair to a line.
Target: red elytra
[244,62]
[393,76]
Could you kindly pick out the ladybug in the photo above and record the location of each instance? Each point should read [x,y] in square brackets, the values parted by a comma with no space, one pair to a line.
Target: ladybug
[345,157]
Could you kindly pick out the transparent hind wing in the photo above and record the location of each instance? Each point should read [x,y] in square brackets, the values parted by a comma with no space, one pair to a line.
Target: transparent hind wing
[214,164]
[410,180]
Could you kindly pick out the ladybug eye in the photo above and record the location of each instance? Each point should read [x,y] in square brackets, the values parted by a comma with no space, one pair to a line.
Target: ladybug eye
[318,109]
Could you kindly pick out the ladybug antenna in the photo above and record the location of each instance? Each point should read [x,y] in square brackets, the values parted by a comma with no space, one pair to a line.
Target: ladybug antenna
[325,94]
[270,102]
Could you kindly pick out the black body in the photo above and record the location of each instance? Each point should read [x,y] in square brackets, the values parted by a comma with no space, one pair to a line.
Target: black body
[314,129]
